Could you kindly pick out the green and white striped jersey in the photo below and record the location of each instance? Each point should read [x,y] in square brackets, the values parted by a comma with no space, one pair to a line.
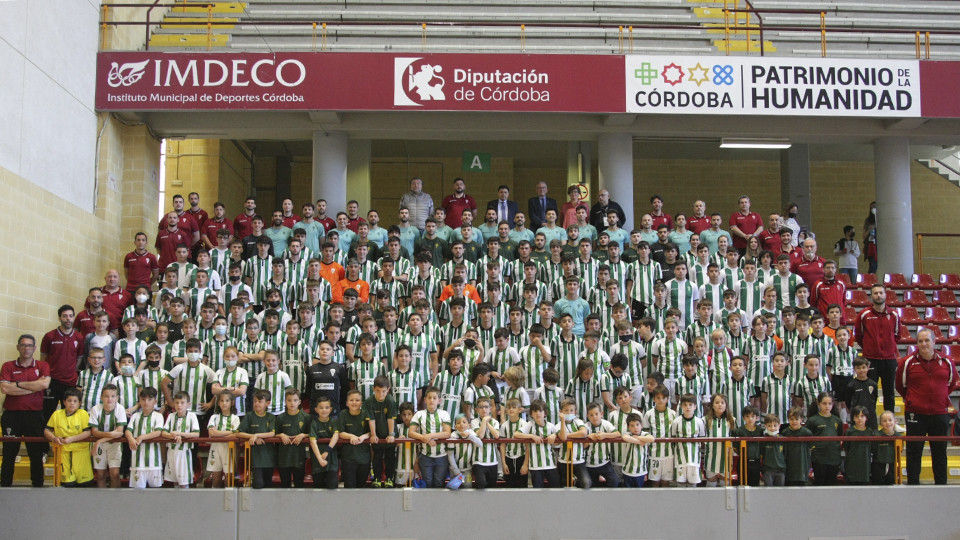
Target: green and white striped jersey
[152,313]
[683,295]
[808,388]
[451,391]
[635,458]
[183,424]
[659,316]
[567,353]
[486,454]
[404,385]
[294,360]
[394,287]
[786,287]
[311,336]
[447,270]
[698,329]
[234,379]
[91,385]
[516,291]
[473,392]
[147,455]
[369,270]
[509,430]
[738,392]
[618,420]
[259,271]
[551,271]
[362,374]
[738,342]
[635,359]
[386,344]
[272,341]
[136,348]
[275,383]
[719,361]
[687,453]
[431,422]
[598,454]
[797,350]
[779,391]
[463,453]
[193,380]
[108,421]
[697,273]
[195,298]
[230,292]
[501,360]
[599,357]
[149,378]
[534,363]
[480,274]
[430,283]
[731,278]
[572,450]
[450,333]
[469,310]
[841,360]
[696,386]
[213,350]
[750,299]
[764,275]
[759,354]
[667,355]
[220,262]
[714,293]
[658,424]
[621,273]
[295,272]
[714,455]
[588,272]
[229,423]
[253,367]
[644,276]
[584,393]
[128,389]
[609,382]
[404,454]
[552,397]
[764,312]
[519,393]
[421,346]
[540,456]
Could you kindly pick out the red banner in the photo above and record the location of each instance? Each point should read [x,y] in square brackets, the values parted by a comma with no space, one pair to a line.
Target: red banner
[939,82]
[359,81]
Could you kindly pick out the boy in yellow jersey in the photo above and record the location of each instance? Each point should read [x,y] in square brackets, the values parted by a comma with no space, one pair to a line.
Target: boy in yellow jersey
[69,427]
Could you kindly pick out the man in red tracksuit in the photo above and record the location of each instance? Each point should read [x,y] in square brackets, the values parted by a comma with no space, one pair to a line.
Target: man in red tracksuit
[925,380]
[876,330]
[829,290]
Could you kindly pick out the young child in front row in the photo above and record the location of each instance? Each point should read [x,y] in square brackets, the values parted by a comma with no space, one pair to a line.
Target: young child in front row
[856,465]
[380,411]
[796,455]
[774,461]
[542,434]
[550,394]
[355,457]
[223,423]
[460,456]
[515,376]
[406,453]
[861,390]
[883,469]
[513,455]
[635,457]
[719,423]
[688,425]
[693,381]
[426,427]
[658,421]
[485,426]
[750,428]
[825,456]
[254,428]
[324,467]
[182,424]
[598,453]
[107,423]
[572,431]
[293,425]
[69,427]
[143,437]
[618,418]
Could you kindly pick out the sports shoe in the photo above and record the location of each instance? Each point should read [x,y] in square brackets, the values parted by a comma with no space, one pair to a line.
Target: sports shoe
[388,484]
[376,484]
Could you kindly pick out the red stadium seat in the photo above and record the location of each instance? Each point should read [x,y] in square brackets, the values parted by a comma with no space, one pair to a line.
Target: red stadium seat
[952,352]
[953,334]
[845,279]
[945,299]
[950,281]
[865,281]
[912,349]
[940,316]
[849,314]
[917,299]
[893,300]
[905,338]
[896,281]
[909,315]
[924,282]
[858,298]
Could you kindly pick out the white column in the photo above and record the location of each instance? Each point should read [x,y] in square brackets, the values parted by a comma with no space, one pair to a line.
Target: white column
[615,160]
[330,170]
[891,162]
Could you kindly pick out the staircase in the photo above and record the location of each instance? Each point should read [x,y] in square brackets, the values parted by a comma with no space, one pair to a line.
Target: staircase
[947,167]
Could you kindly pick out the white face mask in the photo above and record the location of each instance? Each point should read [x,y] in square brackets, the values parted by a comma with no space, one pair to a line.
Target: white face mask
[231,363]
[873,211]
[220,329]
[142,298]
[126,370]
[550,386]
[569,417]
[194,356]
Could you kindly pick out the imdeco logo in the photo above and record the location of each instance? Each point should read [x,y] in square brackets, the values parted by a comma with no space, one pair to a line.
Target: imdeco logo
[416,81]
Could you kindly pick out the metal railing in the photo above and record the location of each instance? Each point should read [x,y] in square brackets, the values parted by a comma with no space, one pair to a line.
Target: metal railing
[625,44]
[921,257]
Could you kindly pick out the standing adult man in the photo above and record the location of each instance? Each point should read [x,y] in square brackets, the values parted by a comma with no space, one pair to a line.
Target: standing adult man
[598,212]
[520,231]
[210,227]
[537,207]
[456,203]
[876,330]
[828,291]
[657,213]
[184,221]
[312,227]
[505,208]
[353,215]
[243,223]
[743,224]
[61,349]
[699,221]
[810,267]
[328,222]
[168,239]
[289,218]
[198,214]
[140,267]
[377,234]
[925,380]
[23,382]
[770,237]
[418,203]
[115,299]
[278,233]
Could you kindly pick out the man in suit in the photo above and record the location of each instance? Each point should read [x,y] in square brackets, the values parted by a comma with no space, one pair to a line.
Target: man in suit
[504,207]
[538,206]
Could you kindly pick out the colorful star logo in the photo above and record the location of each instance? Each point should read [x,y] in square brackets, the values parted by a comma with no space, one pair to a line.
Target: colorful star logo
[672,74]
[698,74]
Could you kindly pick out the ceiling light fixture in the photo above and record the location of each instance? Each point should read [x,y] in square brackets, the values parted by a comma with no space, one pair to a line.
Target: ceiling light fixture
[737,142]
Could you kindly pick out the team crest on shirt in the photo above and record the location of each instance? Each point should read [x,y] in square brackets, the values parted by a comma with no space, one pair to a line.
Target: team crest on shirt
[870,389]
[333,372]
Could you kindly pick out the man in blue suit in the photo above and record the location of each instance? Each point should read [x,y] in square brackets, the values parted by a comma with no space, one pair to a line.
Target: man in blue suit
[538,206]
[504,207]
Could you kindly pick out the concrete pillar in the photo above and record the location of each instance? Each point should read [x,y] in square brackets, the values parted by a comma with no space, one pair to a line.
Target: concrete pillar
[615,164]
[891,162]
[358,173]
[330,170]
[795,182]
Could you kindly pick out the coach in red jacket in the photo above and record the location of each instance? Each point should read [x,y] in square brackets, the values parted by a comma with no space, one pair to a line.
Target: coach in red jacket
[829,290]
[925,380]
[876,330]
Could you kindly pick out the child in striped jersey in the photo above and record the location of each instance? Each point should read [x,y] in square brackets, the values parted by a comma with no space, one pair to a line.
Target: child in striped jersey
[107,423]
[654,379]
[736,338]
[584,387]
[478,388]
[635,455]
[718,360]
[667,352]
[550,394]
[406,385]
[737,388]
[131,344]
[181,424]
[840,358]
[460,456]
[593,352]
[719,423]
[486,427]
[598,453]
[612,379]
[777,389]
[233,379]
[426,427]
[540,459]
[618,418]
[513,455]
[143,433]
[223,423]
[366,369]
[92,380]
[810,385]
[693,383]
[572,459]
[688,425]
[515,377]
[191,377]
[406,452]
[657,421]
